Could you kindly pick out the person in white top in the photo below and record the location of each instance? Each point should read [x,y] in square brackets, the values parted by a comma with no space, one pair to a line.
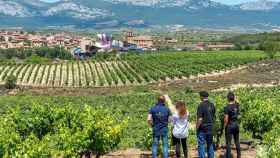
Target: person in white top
[179,121]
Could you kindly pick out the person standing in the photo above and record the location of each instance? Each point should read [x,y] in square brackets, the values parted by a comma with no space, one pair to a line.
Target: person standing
[158,119]
[231,115]
[204,125]
[179,120]
[180,129]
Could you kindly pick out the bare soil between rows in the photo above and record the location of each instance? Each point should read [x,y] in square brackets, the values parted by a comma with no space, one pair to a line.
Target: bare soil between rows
[260,74]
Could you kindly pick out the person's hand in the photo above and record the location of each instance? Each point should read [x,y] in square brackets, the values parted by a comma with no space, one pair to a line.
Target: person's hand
[150,123]
[167,99]
[150,120]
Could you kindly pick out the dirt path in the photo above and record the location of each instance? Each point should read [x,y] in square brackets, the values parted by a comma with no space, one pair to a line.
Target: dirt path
[136,153]
[262,74]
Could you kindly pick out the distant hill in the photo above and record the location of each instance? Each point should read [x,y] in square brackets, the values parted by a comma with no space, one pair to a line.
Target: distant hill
[140,13]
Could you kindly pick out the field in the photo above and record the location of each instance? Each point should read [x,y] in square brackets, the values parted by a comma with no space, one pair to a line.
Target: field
[60,112]
[260,116]
[126,70]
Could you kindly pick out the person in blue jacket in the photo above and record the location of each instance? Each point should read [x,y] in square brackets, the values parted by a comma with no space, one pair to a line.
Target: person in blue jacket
[158,119]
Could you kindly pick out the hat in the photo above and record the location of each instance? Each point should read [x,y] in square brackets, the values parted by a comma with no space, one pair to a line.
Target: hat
[204,94]
[231,96]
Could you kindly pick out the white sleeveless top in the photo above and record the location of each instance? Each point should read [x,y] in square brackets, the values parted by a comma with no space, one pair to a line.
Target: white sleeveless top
[180,125]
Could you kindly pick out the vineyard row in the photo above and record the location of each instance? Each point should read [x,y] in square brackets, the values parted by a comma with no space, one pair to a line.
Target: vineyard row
[133,70]
[73,74]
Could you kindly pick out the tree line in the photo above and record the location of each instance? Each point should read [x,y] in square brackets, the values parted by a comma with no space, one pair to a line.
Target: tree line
[267,42]
[45,52]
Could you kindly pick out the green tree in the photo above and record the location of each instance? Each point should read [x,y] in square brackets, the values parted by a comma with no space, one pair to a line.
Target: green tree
[270,48]
[11,82]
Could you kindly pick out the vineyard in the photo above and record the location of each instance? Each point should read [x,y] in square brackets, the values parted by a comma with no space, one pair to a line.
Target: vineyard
[68,125]
[127,70]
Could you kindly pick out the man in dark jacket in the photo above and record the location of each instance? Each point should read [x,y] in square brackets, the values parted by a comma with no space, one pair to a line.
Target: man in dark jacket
[158,119]
[205,123]
[231,115]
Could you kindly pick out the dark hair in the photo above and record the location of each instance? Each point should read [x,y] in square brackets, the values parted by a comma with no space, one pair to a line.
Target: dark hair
[204,94]
[231,96]
[161,99]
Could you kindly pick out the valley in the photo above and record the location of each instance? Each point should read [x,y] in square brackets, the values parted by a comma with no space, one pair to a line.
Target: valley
[104,78]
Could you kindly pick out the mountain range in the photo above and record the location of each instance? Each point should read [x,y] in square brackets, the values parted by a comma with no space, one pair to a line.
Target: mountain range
[137,13]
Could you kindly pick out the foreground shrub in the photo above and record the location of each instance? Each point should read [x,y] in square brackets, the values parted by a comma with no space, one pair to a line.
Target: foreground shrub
[11,82]
[271,144]
[52,131]
[272,141]
[260,117]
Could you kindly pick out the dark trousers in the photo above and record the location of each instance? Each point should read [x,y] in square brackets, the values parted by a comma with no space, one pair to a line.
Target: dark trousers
[232,130]
[178,143]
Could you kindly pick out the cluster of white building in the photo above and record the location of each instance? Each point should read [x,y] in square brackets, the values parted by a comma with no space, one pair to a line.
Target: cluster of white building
[21,39]
[104,42]
[85,46]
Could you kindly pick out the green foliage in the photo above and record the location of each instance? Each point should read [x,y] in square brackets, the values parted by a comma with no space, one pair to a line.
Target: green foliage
[44,52]
[11,82]
[259,116]
[188,90]
[158,66]
[105,56]
[35,59]
[57,131]
[270,48]
[272,142]
[146,139]
[261,41]
[252,39]
[130,69]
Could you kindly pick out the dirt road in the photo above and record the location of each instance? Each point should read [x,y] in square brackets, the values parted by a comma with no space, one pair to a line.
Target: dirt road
[136,153]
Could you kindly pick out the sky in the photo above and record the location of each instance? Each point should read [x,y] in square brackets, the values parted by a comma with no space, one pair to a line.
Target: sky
[231,2]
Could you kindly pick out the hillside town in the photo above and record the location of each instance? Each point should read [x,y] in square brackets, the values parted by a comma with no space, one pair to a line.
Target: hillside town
[81,46]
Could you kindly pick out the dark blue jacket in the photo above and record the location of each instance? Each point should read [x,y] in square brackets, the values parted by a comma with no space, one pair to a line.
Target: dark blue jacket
[160,115]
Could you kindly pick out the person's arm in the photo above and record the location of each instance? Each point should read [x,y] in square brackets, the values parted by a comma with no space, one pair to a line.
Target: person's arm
[170,104]
[214,112]
[150,120]
[225,117]
[225,120]
[199,117]
[198,122]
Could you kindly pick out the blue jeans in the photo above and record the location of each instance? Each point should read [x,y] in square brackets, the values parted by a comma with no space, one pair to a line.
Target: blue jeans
[203,138]
[155,145]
